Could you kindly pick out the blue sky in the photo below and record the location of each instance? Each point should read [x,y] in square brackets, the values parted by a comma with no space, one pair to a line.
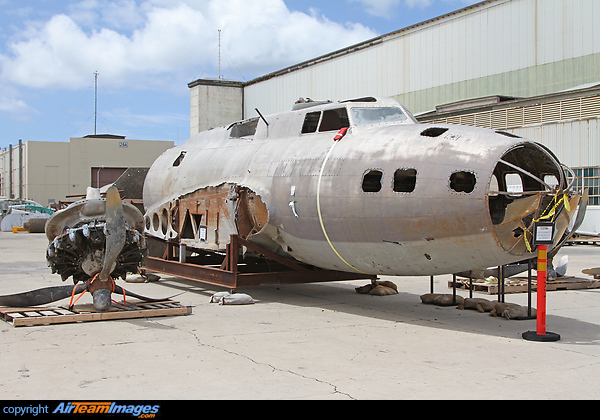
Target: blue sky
[146,51]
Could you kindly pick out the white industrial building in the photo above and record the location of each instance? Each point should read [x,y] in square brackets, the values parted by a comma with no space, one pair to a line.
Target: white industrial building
[527,66]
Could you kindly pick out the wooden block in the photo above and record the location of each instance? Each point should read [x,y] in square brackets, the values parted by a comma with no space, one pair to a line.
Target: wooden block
[85,313]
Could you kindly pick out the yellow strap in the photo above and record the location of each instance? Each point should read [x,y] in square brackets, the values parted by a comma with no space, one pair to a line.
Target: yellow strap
[550,214]
[321,217]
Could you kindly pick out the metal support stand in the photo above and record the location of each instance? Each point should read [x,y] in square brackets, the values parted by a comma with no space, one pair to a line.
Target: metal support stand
[454,289]
[501,286]
[470,287]
[529,264]
[237,271]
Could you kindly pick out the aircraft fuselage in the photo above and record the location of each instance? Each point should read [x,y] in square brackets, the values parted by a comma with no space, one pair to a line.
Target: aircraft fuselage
[388,196]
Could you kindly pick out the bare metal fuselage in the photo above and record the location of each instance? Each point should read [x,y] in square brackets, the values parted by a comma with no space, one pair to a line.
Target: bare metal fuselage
[389,198]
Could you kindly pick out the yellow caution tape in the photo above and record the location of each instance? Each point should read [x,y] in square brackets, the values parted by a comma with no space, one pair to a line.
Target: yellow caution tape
[551,213]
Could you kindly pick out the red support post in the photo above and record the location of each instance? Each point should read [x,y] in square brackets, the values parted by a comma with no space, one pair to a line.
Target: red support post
[542,274]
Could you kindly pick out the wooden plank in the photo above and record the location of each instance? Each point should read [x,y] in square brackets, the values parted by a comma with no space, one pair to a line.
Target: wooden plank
[564,283]
[20,317]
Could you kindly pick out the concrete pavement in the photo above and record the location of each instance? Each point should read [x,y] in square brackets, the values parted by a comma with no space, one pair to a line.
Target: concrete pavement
[312,341]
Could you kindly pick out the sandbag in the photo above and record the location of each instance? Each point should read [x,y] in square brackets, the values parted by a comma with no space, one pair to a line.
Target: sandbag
[237,299]
[378,288]
[382,291]
[478,304]
[441,299]
[217,297]
[511,311]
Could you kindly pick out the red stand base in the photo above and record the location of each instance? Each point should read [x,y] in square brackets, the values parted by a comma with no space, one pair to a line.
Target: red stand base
[534,336]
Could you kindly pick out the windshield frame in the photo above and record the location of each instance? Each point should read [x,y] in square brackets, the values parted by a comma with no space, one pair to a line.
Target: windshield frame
[356,122]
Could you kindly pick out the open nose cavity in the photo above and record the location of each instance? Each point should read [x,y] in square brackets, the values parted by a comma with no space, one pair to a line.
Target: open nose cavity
[527,183]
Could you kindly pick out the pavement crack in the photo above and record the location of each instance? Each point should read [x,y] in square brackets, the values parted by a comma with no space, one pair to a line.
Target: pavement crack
[273,368]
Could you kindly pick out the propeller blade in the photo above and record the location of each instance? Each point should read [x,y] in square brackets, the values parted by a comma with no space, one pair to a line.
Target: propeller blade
[115,231]
[40,296]
[582,210]
[119,290]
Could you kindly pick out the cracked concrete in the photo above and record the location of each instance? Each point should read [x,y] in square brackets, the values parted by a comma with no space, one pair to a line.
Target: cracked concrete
[313,341]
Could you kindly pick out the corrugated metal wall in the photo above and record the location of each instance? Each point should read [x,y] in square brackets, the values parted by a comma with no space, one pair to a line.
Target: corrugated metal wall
[569,127]
[576,143]
[504,47]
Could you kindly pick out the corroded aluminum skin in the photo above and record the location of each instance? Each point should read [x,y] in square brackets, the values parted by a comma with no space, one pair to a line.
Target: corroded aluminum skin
[432,230]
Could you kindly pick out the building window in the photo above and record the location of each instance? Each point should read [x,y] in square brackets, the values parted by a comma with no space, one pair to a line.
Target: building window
[372,181]
[589,178]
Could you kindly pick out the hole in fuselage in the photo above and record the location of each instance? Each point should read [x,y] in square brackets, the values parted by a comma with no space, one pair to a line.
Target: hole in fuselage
[372,181]
[434,132]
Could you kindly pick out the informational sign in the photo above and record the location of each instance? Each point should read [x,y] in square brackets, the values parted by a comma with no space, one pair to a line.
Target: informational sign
[543,233]
[203,232]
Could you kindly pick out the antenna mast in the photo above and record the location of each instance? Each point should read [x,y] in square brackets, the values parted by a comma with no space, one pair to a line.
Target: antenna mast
[95,100]
[219,53]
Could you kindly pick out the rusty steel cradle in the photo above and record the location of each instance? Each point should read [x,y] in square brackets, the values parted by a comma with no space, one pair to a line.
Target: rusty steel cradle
[236,270]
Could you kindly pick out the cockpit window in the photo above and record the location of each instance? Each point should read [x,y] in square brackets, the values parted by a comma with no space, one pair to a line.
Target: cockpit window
[377,115]
[334,119]
[311,121]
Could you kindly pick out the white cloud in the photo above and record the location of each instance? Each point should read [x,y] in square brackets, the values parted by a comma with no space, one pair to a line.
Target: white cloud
[159,42]
[380,8]
[10,103]
[419,3]
[386,8]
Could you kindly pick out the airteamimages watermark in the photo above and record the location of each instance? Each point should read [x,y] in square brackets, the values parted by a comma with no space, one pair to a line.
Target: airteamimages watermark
[29,410]
[92,408]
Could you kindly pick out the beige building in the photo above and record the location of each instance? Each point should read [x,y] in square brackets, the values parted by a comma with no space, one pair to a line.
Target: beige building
[49,172]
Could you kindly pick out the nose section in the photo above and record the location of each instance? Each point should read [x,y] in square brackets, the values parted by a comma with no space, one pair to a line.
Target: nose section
[529,184]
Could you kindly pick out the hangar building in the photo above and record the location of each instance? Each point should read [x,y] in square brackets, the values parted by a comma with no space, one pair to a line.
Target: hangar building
[531,67]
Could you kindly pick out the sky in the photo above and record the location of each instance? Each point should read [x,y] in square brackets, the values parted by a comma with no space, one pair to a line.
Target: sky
[145,52]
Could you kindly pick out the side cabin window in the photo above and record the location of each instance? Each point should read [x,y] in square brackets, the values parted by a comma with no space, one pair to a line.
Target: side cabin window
[372,181]
[177,161]
[330,120]
[463,182]
[405,180]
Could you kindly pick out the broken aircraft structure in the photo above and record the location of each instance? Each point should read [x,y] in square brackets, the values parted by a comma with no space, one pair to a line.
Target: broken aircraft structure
[347,190]
[94,241]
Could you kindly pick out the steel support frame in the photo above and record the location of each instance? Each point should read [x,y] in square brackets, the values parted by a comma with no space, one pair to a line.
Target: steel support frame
[231,274]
